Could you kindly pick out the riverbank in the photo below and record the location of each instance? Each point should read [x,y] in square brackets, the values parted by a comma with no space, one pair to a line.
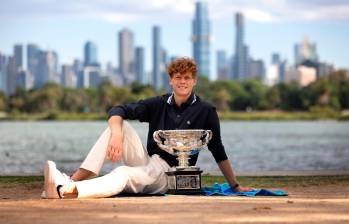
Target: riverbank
[243,116]
[320,199]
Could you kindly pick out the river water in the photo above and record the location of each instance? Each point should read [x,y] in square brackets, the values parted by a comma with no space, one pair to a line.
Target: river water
[252,146]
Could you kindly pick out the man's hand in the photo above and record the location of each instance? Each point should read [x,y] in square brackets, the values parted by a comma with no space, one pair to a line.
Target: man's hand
[114,150]
[243,189]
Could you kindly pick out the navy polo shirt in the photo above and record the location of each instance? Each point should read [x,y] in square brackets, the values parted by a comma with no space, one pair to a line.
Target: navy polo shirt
[162,113]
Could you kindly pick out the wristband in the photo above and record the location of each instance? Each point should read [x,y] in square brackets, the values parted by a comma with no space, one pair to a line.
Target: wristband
[235,186]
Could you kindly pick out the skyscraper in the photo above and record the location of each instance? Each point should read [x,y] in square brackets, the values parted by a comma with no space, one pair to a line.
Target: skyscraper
[240,70]
[126,55]
[11,75]
[222,65]
[18,56]
[256,69]
[281,66]
[3,73]
[305,51]
[201,38]
[139,66]
[90,54]
[33,53]
[157,78]
[47,68]
[165,61]
[69,78]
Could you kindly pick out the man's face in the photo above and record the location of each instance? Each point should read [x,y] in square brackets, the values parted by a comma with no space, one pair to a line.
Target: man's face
[183,84]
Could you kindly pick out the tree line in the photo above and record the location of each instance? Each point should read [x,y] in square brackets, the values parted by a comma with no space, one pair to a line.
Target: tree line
[331,91]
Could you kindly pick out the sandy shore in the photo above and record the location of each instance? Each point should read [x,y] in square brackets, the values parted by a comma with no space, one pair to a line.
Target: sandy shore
[21,204]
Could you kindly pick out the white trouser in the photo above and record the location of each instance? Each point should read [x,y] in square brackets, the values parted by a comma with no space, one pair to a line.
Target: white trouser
[141,173]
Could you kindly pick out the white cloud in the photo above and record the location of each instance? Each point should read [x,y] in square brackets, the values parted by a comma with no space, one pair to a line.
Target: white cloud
[258,15]
[264,11]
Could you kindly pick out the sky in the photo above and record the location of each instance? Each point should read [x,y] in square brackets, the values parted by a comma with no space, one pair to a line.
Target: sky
[270,26]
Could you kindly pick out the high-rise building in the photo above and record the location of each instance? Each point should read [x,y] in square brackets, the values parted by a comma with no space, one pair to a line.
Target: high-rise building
[69,78]
[90,54]
[47,68]
[280,65]
[157,78]
[89,76]
[303,75]
[33,54]
[3,73]
[256,69]
[222,65]
[18,56]
[11,71]
[24,80]
[126,55]
[77,66]
[201,39]
[305,51]
[272,75]
[324,69]
[240,70]
[164,63]
[139,66]
[275,58]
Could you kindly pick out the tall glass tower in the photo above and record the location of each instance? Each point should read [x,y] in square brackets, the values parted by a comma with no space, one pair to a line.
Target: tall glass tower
[126,55]
[90,54]
[241,50]
[18,55]
[201,38]
[140,66]
[157,74]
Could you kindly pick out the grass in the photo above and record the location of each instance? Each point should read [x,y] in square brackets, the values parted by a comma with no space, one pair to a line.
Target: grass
[278,115]
[230,115]
[258,182]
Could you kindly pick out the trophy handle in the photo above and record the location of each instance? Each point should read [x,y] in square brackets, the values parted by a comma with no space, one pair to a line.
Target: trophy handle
[207,137]
[158,140]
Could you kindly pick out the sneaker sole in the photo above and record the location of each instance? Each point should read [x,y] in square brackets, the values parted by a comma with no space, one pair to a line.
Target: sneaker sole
[50,183]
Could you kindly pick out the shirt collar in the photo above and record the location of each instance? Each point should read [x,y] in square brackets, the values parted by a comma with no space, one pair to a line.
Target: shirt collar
[192,99]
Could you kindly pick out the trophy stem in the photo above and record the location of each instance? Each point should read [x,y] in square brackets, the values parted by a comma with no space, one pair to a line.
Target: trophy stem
[183,160]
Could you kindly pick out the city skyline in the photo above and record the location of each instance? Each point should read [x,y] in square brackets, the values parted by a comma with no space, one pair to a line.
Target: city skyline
[264,32]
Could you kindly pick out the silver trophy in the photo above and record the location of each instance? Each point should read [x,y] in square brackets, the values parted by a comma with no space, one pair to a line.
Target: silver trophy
[183,179]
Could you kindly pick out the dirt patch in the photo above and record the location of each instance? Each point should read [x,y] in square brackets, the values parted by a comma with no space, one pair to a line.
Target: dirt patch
[21,204]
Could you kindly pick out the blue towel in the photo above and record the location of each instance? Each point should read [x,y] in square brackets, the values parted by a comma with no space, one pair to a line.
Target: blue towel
[225,189]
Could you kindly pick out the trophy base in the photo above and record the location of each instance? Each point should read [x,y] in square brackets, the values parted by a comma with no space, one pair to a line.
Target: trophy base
[185,181]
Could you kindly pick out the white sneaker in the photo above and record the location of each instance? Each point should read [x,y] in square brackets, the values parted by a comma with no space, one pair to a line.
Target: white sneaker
[43,194]
[53,179]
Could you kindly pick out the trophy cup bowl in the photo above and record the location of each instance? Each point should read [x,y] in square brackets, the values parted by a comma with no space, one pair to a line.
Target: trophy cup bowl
[183,179]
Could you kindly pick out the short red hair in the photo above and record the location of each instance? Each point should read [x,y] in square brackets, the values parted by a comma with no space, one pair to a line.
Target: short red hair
[182,65]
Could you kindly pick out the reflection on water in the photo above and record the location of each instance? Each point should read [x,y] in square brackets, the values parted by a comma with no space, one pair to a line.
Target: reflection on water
[251,146]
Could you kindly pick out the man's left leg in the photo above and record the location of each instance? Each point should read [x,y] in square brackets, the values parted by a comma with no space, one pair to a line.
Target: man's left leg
[149,179]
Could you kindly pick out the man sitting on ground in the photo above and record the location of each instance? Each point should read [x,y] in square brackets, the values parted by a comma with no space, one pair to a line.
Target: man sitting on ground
[144,169]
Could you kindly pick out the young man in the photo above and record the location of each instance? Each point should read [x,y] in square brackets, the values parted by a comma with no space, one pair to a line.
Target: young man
[144,169]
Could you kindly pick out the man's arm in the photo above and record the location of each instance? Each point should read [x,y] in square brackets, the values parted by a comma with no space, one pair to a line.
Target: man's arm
[114,150]
[140,110]
[229,175]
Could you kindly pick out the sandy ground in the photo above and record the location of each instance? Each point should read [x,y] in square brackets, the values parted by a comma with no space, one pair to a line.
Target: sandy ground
[315,204]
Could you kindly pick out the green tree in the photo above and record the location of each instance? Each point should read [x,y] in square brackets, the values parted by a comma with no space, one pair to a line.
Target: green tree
[73,100]
[291,97]
[273,97]
[3,101]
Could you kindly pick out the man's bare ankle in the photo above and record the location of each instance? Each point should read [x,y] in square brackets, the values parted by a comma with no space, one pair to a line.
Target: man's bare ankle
[82,174]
